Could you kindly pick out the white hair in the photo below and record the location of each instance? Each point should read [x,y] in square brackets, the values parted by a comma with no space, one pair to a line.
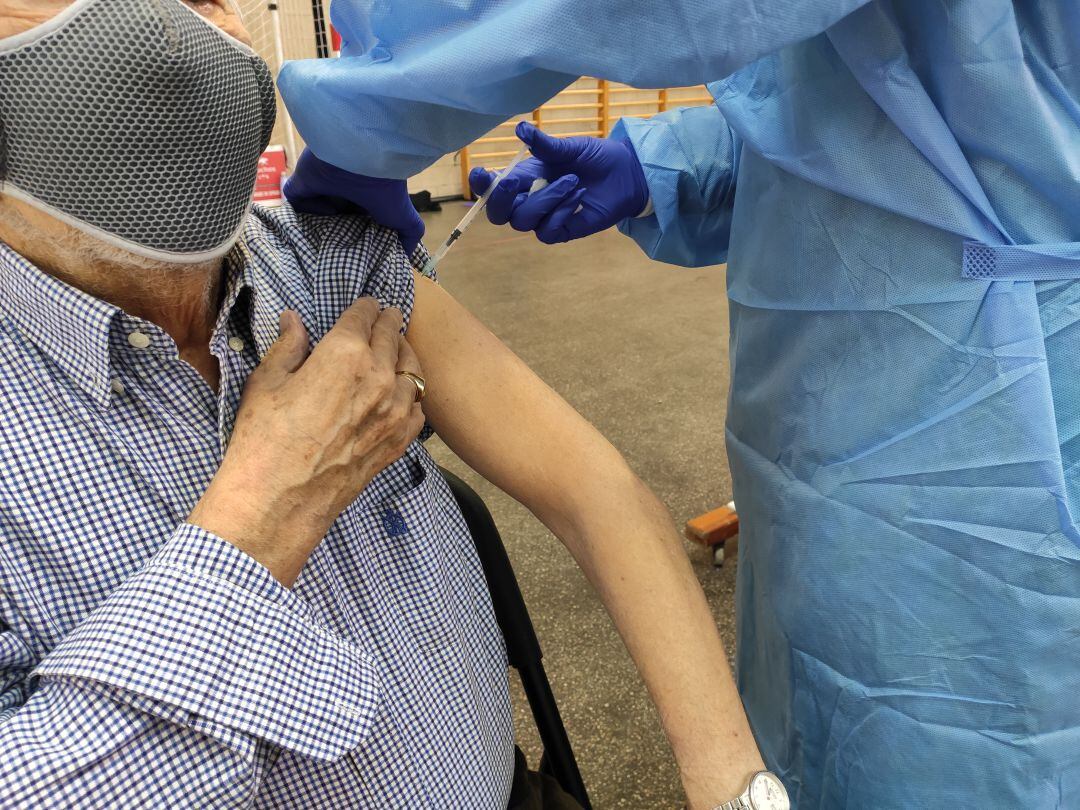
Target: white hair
[102,253]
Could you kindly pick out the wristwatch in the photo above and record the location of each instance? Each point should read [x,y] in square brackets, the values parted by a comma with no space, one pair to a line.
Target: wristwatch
[765,792]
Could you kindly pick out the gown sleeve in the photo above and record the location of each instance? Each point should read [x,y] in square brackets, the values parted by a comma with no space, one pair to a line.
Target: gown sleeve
[419,79]
[691,159]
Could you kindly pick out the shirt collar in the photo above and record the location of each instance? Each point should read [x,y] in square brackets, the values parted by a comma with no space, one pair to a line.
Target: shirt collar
[70,326]
[249,264]
[238,277]
[73,328]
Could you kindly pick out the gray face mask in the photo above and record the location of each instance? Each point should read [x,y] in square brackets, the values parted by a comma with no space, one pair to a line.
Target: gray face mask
[138,122]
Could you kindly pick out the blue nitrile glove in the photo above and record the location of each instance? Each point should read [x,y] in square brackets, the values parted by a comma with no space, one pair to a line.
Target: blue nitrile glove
[318,187]
[593,183]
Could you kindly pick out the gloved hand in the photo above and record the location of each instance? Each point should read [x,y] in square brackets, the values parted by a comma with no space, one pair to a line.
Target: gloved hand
[317,187]
[592,184]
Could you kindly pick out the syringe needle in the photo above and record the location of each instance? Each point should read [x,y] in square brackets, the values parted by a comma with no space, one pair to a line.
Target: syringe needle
[472,213]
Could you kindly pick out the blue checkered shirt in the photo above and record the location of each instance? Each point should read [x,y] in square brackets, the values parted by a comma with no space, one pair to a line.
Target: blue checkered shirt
[147,663]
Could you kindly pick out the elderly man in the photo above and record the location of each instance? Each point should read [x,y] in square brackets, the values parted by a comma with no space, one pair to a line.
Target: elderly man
[215,601]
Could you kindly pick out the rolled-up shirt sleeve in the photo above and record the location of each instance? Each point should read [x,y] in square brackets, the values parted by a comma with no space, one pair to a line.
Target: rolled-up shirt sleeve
[189,676]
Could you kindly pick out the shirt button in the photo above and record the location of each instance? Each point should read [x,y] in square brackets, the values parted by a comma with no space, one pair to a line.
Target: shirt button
[117,387]
[140,340]
[394,523]
[236,344]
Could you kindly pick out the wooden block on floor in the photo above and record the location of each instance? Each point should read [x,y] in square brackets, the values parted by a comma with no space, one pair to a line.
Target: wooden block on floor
[714,528]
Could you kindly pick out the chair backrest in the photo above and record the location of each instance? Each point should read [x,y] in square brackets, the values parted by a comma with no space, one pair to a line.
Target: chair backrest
[522,647]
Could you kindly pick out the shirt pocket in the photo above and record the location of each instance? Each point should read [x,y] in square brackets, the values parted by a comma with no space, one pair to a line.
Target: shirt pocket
[410,552]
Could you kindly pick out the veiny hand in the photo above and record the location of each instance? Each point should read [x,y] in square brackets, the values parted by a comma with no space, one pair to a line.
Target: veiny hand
[311,433]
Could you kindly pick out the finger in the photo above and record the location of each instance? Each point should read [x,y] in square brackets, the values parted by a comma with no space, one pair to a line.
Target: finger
[479,180]
[355,322]
[316,204]
[534,208]
[388,203]
[410,228]
[552,230]
[585,222]
[378,453]
[289,351]
[503,200]
[545,147]
[386,337]
[500,205]
[407,359]
[413,425]
[399,408]
[405,396]
[416,423]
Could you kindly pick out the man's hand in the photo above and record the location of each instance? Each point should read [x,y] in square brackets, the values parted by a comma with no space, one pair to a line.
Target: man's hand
[311,433]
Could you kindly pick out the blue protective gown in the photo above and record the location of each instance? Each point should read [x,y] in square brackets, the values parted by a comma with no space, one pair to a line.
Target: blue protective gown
[898,200]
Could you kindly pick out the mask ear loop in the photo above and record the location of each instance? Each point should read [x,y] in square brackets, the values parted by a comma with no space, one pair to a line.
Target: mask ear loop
[3,154]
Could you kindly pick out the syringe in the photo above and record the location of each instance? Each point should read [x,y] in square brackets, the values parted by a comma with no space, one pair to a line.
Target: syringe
[472,213]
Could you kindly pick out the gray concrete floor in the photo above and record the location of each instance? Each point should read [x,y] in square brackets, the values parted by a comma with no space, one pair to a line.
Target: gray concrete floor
[640,349]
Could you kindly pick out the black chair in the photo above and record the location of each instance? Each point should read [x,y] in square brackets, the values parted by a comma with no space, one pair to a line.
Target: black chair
[522,647]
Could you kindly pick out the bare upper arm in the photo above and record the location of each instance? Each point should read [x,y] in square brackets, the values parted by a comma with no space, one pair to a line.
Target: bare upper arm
[499,416]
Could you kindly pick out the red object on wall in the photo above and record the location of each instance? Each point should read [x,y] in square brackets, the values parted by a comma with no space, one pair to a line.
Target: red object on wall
[272,168]
[335,41]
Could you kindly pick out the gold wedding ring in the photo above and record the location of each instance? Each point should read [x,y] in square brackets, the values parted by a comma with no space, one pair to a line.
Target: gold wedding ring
[418,381]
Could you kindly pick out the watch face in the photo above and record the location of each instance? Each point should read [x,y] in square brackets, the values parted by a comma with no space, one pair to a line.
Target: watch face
[767,793]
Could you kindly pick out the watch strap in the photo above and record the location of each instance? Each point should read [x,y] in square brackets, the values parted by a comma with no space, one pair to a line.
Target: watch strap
[740,803]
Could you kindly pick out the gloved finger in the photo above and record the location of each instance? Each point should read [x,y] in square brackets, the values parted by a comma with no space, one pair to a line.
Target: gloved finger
[586,221]
[301,198]
[389,204]
[552,229]
[501,202]
[547,148]
[322,206]
[411,230]
[479,180]
[526,172]
[532,210]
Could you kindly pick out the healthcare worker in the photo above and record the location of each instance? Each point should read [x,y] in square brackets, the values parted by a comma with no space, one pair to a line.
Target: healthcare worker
[895,186]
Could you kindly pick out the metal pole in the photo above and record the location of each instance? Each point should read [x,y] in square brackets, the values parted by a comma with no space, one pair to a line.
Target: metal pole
[279,54]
